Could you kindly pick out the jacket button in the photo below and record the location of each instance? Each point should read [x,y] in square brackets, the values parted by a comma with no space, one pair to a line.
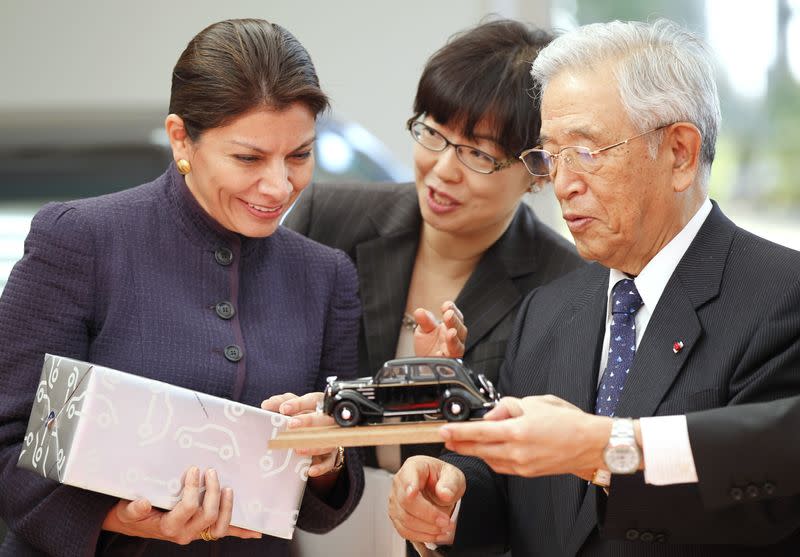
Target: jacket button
[752,491]
[233,353]
[769,488]
[736,493]
[224,256]
[225,310]
[632,534]
[646,537]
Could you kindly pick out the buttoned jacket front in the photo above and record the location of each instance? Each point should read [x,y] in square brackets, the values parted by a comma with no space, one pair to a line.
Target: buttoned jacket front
[146,282]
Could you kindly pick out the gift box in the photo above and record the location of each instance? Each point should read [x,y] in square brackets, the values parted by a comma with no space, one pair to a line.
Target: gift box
[128,436]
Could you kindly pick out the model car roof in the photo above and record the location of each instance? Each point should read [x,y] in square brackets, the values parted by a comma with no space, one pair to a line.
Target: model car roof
[429,361]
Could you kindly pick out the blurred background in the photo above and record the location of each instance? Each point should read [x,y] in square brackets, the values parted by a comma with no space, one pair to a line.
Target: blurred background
[85,88]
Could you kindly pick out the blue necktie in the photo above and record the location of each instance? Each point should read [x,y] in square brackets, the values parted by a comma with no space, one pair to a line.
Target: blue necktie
[625,302]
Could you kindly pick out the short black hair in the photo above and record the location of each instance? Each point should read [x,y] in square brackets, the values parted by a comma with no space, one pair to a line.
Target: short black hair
[484,72]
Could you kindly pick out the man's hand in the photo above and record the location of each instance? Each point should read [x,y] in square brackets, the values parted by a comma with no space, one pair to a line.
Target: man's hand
[424,493]
[443,338]
[534,436]
[194,514]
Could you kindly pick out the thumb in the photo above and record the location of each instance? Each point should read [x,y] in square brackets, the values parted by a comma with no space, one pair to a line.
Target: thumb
[134,511]
[451,485]
[508,407]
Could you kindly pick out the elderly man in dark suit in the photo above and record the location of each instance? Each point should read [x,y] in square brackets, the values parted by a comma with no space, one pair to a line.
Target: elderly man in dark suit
[675,316]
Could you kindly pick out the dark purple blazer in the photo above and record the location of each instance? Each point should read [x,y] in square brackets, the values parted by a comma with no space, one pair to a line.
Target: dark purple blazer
[134,281]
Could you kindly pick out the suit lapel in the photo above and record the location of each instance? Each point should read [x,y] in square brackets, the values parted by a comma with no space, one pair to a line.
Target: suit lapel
[384,267]
[483,305]
[490,292]
[696,280]
[575,380]
[656,365]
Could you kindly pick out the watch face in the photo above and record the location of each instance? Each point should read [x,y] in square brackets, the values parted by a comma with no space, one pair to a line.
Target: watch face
[622,459]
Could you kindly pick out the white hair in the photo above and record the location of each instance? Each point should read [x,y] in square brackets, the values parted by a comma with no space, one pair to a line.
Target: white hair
[664,74]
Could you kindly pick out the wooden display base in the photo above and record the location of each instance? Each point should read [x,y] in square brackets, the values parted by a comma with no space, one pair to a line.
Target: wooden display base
[359,436]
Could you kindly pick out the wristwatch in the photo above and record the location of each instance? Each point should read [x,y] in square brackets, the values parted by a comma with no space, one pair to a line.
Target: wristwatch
[622,454]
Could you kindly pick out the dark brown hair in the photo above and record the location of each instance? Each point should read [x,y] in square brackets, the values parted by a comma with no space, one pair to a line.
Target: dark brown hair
[234,66]
[484,72]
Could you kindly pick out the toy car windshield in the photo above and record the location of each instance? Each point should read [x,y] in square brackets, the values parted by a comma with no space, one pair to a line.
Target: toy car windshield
[423,387]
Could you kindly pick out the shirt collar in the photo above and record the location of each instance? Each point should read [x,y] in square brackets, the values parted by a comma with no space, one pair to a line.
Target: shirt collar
[654,277]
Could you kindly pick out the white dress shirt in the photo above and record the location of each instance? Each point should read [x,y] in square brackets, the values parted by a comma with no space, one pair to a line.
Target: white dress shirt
[665,440]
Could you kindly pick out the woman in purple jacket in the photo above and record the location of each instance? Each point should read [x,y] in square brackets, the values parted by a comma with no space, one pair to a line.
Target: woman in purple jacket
[189,280]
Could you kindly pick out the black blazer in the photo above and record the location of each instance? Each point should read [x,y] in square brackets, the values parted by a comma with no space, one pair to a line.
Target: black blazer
[747,459]
[379,225]
[733,300]
[747,453]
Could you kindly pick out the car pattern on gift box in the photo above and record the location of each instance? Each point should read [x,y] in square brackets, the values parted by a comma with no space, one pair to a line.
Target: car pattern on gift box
[435,387]
[189,437]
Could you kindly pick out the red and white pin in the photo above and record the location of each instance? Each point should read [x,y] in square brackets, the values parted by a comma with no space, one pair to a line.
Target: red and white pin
[677,346]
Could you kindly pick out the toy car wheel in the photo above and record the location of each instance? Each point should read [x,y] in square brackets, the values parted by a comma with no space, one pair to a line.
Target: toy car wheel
[347,414]
[455,409]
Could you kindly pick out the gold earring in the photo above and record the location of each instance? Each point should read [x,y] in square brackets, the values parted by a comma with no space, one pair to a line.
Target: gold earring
[183,166]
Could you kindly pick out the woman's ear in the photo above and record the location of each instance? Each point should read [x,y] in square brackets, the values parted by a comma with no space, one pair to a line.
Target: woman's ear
[178,138]
[685,142]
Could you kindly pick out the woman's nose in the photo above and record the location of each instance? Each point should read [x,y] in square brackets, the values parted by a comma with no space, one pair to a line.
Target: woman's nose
[448,168]
[274,182]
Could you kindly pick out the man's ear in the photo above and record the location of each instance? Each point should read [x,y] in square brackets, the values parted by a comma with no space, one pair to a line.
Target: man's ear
[684,140]
[179,140]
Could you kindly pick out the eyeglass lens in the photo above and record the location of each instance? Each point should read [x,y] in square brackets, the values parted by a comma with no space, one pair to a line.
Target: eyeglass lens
[473,158]
[577,159]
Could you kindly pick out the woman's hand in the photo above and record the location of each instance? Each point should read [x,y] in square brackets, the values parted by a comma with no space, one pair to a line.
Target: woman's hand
[303,412]
[196,514]
[443,338]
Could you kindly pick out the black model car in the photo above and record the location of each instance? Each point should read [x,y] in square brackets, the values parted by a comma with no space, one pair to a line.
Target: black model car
[436,387]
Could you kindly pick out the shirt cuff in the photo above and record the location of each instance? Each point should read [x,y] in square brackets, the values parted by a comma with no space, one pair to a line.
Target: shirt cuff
[432,546]
[667,452]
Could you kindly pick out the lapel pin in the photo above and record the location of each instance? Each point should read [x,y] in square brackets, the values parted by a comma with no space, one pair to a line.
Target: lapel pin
[677,346]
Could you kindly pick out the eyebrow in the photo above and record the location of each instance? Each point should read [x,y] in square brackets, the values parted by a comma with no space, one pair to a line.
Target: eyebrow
[487,138]
[581,133]
[263,152]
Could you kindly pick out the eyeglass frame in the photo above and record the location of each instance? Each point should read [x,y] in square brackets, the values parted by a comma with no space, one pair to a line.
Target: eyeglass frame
[556,156]
[497,165]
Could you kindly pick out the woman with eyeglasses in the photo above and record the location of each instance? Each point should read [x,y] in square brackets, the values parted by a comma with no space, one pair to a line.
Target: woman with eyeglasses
[460,233]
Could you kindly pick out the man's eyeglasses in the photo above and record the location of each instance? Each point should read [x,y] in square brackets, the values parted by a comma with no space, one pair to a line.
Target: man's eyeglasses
[472,158]
[583,160]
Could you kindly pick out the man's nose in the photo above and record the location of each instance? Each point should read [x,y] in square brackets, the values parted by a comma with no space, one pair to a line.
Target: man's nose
[566,182]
